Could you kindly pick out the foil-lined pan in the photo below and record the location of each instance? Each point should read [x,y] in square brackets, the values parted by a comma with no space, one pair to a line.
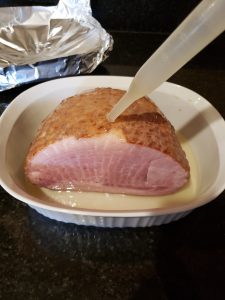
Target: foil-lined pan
[38,42]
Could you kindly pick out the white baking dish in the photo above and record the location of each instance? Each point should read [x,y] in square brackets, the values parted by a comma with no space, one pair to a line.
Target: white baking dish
[192,116]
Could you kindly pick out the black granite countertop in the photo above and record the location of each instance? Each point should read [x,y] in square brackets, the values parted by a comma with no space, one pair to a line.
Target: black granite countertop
[46,259]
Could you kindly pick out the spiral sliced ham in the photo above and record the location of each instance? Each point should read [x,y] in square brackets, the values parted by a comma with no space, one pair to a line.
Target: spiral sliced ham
[77,148]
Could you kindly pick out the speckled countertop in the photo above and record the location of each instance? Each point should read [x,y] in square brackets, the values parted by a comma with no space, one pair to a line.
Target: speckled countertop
[44,259]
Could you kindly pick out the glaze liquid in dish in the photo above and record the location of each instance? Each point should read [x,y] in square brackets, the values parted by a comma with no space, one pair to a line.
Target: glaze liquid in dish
[118,202]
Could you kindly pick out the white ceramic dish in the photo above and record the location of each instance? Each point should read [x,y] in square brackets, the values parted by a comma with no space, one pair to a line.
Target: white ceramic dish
[192,116]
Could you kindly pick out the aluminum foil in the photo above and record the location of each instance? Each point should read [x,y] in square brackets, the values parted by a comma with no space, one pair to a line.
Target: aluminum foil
[38,43]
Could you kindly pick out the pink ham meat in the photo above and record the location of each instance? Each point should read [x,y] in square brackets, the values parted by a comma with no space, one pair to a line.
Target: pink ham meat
[77,148]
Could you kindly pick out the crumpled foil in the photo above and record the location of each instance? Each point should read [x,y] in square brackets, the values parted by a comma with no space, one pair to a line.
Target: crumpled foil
[38,43]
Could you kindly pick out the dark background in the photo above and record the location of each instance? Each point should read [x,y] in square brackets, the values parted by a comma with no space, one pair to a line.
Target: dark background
[142,15]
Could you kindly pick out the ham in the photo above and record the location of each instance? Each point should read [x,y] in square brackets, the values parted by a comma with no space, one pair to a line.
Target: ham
[76,148]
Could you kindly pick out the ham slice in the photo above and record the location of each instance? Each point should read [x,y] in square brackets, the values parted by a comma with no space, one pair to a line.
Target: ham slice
[76,148]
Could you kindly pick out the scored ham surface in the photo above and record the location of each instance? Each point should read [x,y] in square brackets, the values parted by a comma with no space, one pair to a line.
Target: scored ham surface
[77,148]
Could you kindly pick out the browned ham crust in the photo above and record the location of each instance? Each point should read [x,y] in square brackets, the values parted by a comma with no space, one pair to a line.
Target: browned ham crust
[84,116]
